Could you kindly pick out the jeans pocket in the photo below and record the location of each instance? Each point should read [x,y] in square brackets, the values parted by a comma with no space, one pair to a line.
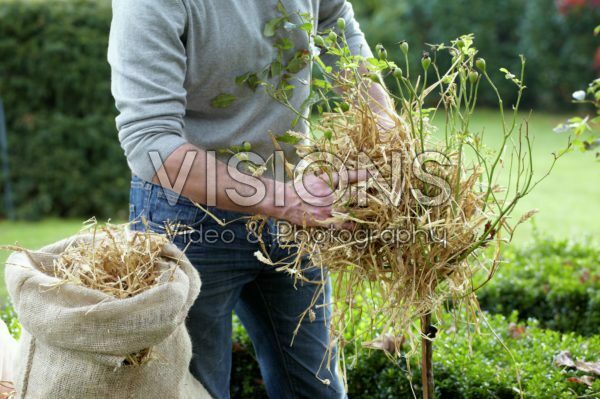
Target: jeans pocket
[171,213]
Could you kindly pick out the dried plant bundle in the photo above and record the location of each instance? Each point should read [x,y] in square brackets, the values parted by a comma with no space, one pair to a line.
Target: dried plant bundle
[401,252]
[432,202]
[116,261]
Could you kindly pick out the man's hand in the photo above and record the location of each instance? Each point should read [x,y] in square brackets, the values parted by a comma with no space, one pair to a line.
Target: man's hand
[6,389]
[310,202]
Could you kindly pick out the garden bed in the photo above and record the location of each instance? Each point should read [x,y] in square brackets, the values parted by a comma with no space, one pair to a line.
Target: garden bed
[555,282]
[482,368]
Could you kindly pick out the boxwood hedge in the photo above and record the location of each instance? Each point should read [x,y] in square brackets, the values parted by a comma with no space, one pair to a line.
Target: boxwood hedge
[479,368]
[55,85]
[554,281]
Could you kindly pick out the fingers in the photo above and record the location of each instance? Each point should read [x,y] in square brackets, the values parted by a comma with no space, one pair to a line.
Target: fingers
[347,177]
[332,223]
[323,217]
[357,176]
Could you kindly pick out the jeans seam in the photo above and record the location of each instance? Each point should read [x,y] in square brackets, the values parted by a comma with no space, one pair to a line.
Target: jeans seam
[278,343]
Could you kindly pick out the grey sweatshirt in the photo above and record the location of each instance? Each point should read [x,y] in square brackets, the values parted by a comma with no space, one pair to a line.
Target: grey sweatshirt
[171,59]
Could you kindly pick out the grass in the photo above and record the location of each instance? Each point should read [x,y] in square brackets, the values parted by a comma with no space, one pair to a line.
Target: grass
[32,235]
[567,200]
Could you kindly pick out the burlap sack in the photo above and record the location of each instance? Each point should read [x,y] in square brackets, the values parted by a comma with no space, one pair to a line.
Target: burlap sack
[75,339]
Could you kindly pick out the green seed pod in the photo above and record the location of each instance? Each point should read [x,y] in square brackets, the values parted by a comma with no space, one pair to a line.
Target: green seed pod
[382,53]
[341,23]
[397,73]
[319,41]
[345,107]
[374,77]
[473,76]
[333,36]
[425,61]
[480,63]
[247,146]
[404,47]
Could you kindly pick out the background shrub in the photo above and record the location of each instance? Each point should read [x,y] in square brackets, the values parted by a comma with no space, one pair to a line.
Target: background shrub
[559,46]
[55,85]
[8,316]
[479,368]
[556,282]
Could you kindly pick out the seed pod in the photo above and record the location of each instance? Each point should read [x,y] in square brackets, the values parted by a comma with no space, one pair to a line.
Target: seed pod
[333,36]
[345,107]
[382,53]
[425,61]
[319,41]
[404,47]
[397,73]
[374,77]
[480,63]
[473,76]
[247,146]
[341,23]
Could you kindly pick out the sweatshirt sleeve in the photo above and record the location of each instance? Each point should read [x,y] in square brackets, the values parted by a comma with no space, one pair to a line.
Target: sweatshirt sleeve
[329,12]
[148,68]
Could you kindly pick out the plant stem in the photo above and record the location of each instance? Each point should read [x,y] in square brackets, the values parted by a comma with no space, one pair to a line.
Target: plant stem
[427,356]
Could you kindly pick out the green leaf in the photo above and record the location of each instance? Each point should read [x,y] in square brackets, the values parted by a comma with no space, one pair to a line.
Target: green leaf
[242,79]
[284,44]
[320,83]
[271,27]
[299,62]
[276,68]
[307,27]
[288,139]
[281,8]
[253,81]
[223,100]
[295,121]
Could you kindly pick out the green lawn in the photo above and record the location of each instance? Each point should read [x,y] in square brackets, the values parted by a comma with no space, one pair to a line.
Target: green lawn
[32,235]
[567,200]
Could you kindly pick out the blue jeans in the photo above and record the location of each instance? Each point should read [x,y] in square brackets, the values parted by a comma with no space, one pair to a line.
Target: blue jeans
[266,301]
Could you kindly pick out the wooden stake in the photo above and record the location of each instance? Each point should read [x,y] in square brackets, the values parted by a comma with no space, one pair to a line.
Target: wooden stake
[427,354]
